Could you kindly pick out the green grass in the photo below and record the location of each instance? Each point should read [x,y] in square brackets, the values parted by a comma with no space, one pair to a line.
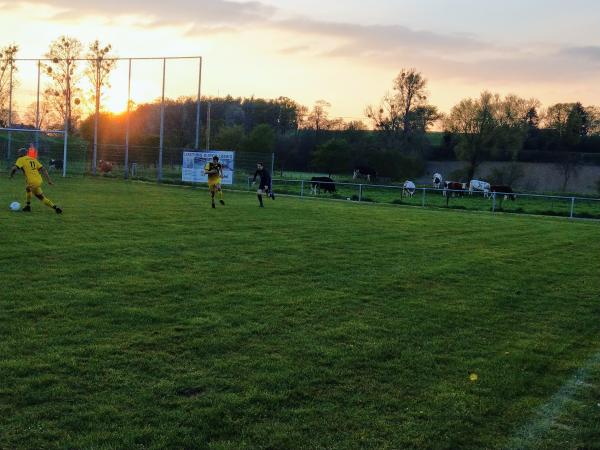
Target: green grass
[141,318]
[584,208]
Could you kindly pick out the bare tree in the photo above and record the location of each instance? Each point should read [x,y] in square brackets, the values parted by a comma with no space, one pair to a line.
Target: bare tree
[405,112]
[489,124]
[100,65]
[318,118]
[7,80]
[44,115]
[63,92]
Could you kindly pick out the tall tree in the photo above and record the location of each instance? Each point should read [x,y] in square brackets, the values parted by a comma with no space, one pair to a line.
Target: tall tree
[318,117]
[569,122]
[557,116]
[593,113]
[487,125]
[405,113]
[99,67]
[230,138]
[472,120]
[63,92]
[7,80]
[333,156]
[287,114]
[261,139]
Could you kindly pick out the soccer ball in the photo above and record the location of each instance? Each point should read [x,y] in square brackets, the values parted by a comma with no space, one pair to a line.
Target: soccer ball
[15,206]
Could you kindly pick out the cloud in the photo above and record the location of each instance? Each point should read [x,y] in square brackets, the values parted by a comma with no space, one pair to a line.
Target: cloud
[592,53]
[460,56]
[296,49]
[205,13]
[366,38]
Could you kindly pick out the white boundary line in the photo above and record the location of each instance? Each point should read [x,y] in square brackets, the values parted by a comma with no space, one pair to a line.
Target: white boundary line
[546,415]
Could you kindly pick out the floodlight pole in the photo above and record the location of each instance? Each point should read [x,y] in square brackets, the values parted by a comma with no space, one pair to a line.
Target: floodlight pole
[10,92]
[162,123]
[208,127]
[37,109]
[127,123]
[95,156]
[67,115]
[198,124]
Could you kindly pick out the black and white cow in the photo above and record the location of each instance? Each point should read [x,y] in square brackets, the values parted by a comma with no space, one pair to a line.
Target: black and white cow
[409,188]
[324,183]
[56,164]
[481,186]
[365,172]
[438,180]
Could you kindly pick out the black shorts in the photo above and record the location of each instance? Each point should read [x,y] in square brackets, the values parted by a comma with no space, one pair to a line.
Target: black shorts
[264,186]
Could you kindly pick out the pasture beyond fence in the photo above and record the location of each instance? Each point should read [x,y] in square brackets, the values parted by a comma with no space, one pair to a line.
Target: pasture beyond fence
[573,207]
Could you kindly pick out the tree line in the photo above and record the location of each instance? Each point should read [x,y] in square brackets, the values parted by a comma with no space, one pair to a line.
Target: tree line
[395,138]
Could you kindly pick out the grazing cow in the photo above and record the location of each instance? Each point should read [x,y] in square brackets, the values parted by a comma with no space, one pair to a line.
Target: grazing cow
[437,180]
[409,188]
[482,186]
[365,172]
[455,188]
[507,191]
[56,164]
[105,166]
[325,183]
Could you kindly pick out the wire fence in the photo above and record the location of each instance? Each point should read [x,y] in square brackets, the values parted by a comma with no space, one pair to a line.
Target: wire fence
[143,164]
[517,203]
[139,162]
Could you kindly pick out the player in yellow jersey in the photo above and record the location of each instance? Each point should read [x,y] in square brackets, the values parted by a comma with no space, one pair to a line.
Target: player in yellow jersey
[32,169]
[214,170]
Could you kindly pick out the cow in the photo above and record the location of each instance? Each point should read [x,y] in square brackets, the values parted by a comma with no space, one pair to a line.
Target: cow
[56,164]
[409,188]
[454,188]
[482,186]
[437,180]
[105,166]
[325,183]
[364,172]
[507,191]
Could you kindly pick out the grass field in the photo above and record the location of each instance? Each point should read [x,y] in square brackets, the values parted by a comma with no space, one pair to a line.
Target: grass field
[141,318]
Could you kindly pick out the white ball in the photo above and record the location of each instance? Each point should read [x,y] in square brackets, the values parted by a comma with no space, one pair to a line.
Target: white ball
[15,206]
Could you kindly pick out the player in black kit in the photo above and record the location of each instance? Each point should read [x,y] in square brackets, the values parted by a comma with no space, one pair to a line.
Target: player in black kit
[264,186]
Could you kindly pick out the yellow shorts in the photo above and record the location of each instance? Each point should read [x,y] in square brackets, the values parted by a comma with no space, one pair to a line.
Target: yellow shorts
[35,189]
[214,182]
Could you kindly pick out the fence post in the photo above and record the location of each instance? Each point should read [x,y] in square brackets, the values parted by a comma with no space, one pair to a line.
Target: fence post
[249,183]
[423,199]
[272,163]
[302,188]
[572,206]
[360,192]
[493,202]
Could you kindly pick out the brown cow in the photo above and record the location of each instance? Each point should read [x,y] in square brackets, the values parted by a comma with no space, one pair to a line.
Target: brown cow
[507,191]
[455,188]
[105,166]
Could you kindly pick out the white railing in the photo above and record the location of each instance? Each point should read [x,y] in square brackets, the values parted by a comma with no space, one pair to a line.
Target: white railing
[423,196]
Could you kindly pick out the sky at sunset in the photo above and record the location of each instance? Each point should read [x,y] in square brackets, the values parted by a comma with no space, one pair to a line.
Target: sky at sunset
[344,52]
